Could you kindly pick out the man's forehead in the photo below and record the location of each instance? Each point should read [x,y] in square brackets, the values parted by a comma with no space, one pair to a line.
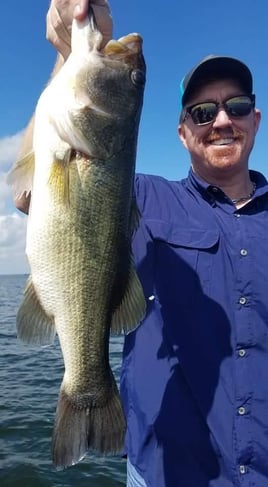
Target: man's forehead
[212,88]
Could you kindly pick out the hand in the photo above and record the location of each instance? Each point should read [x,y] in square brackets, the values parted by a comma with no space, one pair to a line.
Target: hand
[60,16]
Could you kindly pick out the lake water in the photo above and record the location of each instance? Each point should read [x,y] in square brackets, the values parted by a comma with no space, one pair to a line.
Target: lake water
[29,384]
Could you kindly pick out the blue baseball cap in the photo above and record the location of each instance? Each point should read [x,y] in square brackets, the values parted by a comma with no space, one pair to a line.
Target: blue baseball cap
[219,66]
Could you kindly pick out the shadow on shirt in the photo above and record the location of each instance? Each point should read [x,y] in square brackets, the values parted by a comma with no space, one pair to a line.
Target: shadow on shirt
[181,355]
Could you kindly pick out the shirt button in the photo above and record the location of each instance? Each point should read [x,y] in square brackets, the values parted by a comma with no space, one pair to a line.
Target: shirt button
[237,215]
[242,352]
[242,469]
[241,411]
[243,252]
[242,300]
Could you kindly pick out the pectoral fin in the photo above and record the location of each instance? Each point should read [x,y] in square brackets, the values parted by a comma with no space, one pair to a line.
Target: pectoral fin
[59,176]
[34,326]
[132,308]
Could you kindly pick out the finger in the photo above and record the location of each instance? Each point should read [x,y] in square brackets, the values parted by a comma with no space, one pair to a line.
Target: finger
[103,19]
[58,33]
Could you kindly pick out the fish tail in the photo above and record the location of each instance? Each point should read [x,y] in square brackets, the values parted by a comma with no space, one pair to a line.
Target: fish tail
[82,424]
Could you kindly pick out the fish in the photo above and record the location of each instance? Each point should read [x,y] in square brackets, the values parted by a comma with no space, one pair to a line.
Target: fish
[83,284]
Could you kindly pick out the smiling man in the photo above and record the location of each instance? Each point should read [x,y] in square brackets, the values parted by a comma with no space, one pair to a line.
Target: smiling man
[219,123]
[194,381]
[195,373]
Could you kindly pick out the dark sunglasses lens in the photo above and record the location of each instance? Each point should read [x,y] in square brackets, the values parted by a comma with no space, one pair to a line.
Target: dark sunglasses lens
[240,106]
[203,113]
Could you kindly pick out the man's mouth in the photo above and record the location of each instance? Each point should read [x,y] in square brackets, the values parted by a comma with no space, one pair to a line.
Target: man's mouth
[223,141]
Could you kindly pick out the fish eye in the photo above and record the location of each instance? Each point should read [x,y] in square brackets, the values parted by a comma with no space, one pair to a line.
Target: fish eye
[137,77]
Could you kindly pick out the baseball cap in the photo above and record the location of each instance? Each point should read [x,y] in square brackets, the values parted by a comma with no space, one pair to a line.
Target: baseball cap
[216,66]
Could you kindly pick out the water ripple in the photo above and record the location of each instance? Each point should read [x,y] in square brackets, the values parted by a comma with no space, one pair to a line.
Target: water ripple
[30,379]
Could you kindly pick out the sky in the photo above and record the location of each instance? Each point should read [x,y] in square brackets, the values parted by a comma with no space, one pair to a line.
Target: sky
[176,36]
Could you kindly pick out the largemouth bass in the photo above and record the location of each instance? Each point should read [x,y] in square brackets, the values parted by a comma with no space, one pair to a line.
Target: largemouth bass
[82,214]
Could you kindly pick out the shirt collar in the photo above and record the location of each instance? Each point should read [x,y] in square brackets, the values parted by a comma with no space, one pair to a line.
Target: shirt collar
[209,191]
[261,182]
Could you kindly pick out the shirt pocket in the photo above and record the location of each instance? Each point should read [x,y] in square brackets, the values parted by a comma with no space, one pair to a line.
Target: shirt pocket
[183,261]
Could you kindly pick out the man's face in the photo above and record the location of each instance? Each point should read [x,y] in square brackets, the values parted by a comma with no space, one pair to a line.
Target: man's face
[224,145]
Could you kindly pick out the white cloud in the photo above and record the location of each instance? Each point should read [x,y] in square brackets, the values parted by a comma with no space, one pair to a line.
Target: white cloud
[5,192]
[12,244]
[9,147]
[12,223]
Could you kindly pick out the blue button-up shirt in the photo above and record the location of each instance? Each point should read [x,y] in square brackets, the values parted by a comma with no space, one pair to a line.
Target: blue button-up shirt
[195,372]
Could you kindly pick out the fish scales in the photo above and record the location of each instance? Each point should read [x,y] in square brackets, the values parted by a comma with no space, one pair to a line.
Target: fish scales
[81,219]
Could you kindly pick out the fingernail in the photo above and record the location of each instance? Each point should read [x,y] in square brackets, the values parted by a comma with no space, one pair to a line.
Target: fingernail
[77,9]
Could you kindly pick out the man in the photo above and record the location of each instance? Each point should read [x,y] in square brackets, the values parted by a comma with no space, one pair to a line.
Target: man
[194,378]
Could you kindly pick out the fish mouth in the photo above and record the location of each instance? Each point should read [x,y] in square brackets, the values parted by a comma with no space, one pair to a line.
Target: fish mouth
[129,44]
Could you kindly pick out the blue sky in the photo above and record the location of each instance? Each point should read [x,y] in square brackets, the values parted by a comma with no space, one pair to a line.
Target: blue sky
[176,36]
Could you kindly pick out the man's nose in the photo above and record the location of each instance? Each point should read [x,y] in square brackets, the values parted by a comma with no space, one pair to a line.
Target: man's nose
[222,119]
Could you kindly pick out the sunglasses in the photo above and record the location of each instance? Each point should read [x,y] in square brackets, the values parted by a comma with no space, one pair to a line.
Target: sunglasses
[206,112]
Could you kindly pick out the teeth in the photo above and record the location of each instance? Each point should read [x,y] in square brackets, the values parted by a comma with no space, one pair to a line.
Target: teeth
[222,141]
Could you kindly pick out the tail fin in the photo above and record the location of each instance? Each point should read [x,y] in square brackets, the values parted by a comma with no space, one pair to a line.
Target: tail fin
[82,425]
